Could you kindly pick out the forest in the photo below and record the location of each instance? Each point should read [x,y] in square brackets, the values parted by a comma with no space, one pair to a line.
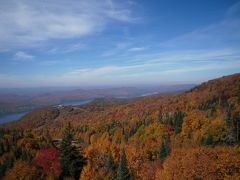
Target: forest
[189,135]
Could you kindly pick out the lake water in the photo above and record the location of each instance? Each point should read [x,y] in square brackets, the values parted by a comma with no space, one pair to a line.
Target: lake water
[11,117]
[17,116]
[75,103]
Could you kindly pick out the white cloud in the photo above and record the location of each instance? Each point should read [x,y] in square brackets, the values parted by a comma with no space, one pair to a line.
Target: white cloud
[23,56]
[158,69]
[137,49]
[28,23]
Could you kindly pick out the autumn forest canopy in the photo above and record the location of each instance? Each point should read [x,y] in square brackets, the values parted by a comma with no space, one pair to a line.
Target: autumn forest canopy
[120,90]
[191,135]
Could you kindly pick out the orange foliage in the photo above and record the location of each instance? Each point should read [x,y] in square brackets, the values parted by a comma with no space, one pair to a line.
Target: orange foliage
[201,163]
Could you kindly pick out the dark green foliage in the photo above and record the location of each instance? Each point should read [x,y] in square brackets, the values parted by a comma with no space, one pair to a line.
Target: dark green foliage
[208,140]
[167,118]
[164,149]
[231,138]
[228,120]
[15,136]
[168,144]
[2,170]
[1,149]
[113,125]
[177,121]
[18,153]
[109,165]
[9,163]
[177,129]
[135,128]
[123,172]
[223,100]
[25,155]
[160,118]
[208,105]
[162,152]
[72,161]
[6,146]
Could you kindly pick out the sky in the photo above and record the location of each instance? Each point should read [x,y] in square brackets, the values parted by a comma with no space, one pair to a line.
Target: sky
[92,43]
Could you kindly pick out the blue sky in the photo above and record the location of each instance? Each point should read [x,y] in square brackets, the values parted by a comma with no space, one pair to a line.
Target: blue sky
[117,43]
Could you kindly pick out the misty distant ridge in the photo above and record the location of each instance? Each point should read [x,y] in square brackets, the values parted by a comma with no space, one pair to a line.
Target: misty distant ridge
[41,90]
[27,99]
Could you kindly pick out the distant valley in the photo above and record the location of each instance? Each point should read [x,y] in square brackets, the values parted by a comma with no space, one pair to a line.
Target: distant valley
[27,100]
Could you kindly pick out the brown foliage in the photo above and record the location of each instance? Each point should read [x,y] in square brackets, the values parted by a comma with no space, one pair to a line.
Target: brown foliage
[201,163]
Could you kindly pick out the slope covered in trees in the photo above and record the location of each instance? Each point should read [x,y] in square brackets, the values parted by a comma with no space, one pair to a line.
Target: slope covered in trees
[192,135]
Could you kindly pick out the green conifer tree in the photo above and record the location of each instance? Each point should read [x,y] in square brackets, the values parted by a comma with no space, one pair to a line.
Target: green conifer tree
[167,118]
[162,154]
[2,170]
[72,161]
[123,172]
[208,140]
[160,118]
[109,166]
[228,120]
[1,149]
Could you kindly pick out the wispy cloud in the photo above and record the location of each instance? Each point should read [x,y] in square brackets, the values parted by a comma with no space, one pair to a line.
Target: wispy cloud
[67,48]
[220,34]
[234,9]
[28,23]
[119,47]
[53,62]
[189,56]
[23,56]
[137,49]
[167,68]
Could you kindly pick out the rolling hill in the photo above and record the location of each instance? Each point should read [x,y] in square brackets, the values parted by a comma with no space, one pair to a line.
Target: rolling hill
[191,135]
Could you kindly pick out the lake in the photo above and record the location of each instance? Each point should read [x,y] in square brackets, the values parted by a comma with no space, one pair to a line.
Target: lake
[17,116]
[11,117]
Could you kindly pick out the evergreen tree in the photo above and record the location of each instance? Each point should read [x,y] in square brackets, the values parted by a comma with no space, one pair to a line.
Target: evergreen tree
[231,138]
[167,145]
[162,154]
[1,149]
[228,120]
[177,129]
[123,172]
[167,118]
[2,170]
[109,166]
[177,122]
[208,140]
[160,118]
[72,161]
[9,163]
[25,155]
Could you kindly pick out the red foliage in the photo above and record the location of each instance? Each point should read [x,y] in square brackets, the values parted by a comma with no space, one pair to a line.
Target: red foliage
[48,160]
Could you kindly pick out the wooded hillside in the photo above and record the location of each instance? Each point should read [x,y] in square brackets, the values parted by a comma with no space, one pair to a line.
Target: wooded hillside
[192,135]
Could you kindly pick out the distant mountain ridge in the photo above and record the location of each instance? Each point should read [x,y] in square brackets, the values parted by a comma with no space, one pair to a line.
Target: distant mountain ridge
[19,102]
